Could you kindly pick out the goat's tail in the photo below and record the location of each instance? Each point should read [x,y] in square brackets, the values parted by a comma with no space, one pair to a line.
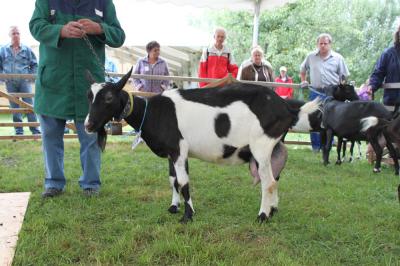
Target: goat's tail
[303,123]
[373,121]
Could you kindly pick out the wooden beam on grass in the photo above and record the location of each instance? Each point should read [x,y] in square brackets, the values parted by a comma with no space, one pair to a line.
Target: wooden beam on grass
[12,211]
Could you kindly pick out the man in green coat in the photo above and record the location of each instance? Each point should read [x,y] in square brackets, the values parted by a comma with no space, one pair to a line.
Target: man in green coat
[61,27]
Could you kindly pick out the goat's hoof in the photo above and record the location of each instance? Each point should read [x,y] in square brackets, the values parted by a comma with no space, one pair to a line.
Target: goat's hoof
[185,219]
[273,211]
[338,162]
[262,218]
[350,160]
[173,209]
[377,170]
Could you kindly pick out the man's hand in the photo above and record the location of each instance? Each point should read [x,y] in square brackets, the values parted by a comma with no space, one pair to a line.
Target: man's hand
[304,84]
[90,27]
[369,90]
[72,29]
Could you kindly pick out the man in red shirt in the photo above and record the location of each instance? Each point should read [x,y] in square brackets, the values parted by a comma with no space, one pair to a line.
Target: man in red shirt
[284,78]
[217,60]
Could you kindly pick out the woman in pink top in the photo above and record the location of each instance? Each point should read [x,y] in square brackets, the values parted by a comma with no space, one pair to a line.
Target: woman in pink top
[363,92]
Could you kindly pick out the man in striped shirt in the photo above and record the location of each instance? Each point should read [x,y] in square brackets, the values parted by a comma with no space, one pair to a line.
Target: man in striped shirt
[217,60]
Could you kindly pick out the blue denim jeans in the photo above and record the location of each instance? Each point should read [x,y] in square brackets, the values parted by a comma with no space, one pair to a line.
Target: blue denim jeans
[21,86]
[53,151]
[315,136]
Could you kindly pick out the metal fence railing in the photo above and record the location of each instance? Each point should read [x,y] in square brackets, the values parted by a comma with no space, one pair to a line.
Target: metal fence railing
[27,108]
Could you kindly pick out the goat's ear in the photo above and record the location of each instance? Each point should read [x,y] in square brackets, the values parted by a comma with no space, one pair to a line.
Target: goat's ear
[342,80]
[121,83]
[89,77]
[102,138]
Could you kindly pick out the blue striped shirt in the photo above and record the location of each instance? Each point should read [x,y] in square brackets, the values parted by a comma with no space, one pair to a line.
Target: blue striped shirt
[24,62]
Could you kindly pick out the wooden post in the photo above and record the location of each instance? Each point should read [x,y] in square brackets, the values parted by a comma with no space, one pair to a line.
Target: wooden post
[218,83]
[15,110]
[26,105]
[256,21]
[33,137]
[16,100]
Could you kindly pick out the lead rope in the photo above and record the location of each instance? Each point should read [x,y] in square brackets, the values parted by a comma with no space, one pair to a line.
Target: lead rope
[98,61]
[138,137]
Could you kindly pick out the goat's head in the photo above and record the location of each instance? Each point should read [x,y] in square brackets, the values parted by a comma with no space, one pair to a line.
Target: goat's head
[343,92]
[104,104]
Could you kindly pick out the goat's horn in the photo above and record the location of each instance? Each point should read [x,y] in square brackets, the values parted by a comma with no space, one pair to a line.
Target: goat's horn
[121,83]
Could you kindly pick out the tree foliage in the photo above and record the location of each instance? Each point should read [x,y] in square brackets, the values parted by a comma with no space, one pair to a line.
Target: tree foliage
[361,30]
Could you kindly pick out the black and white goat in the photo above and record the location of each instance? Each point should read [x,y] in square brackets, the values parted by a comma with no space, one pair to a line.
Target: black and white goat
[342,145]
[390,130]
[352,120]
[345,93]
[315,122]
[231,125]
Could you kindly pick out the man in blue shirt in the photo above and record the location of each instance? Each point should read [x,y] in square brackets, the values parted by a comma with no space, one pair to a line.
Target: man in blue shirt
[16,58]
[325,67]
[387,69]
[110,67]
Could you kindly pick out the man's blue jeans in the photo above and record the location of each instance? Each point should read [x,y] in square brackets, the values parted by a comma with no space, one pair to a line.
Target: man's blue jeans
[315,136]
[53,151]
[21,86]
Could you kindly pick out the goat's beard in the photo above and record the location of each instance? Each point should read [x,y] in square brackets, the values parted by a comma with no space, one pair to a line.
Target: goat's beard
[102,138]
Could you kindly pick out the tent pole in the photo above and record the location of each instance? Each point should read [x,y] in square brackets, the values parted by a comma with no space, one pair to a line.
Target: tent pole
[257,5]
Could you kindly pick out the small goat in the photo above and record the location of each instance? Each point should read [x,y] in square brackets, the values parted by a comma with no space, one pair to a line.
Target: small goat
[391,132]
[342,145]
[348,120]
[231,125]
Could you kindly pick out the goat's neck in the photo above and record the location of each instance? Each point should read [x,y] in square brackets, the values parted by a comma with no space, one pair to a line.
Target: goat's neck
[135,118]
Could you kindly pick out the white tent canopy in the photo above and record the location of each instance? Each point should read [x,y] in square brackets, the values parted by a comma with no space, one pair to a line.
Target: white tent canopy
[145,20]
[250,5]
[227,4]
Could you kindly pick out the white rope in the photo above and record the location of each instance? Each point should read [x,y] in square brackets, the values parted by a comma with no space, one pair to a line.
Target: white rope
[191,79]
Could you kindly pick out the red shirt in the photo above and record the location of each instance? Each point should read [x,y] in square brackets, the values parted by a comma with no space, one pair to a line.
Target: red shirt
[284,92]
[216,63]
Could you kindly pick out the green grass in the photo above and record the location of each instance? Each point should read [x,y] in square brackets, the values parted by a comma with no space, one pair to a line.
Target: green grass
[335,215]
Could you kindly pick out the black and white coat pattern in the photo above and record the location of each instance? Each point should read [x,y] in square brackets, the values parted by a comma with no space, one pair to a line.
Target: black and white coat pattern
[230,125]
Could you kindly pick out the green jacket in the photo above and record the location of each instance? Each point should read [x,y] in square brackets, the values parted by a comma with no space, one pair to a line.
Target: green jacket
[61,84]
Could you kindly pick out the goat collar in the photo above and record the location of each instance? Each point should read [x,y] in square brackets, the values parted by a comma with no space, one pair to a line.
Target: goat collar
[131,104]
[128,109]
